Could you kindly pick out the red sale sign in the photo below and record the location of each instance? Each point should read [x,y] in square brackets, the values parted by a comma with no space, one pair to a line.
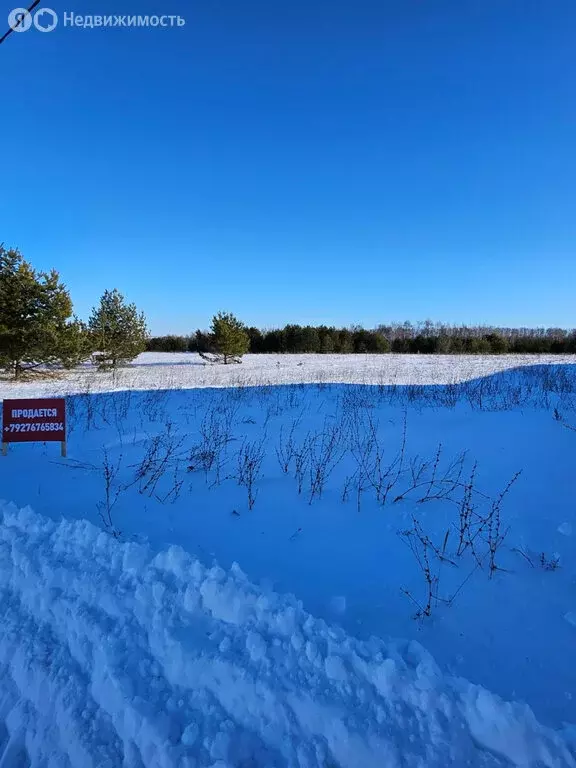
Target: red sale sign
[26,421]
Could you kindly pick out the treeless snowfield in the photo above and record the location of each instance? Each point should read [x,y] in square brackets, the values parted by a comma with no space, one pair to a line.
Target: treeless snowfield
[162,370]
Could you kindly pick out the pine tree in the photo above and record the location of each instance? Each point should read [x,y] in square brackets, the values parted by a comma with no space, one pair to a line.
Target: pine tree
[75,344]
[498,344]
[35,326]
[229,338]
[310,339]
[256,340]
[118,331]
[326,343]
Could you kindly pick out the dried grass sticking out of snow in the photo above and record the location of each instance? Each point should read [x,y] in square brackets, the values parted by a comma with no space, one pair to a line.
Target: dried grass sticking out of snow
[160,370]
[110,656]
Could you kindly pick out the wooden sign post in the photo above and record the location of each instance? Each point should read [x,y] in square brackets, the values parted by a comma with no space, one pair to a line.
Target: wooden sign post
[34,421]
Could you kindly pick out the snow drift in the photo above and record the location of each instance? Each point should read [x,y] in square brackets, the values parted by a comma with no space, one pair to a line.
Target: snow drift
[111,656]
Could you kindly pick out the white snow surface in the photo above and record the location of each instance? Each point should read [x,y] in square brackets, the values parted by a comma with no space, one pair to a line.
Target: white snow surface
[165,370]
[112,656]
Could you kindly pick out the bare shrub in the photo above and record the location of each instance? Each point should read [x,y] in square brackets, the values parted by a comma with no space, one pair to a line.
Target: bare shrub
[301,461]
[112,490]
[540,559]
[423,550]
[215,435]
[164,454]
[466,512]
[326,450]
[109,472]
[373,471]
[494,534]
[286,448]
[85,401]
[249,467]
[153,405]
[479,529]
[121,402]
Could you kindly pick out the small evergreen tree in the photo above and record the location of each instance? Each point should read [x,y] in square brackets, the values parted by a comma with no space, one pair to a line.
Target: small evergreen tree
[35,319]
[76,344]
[327,345]
[370,341]
[498,344]
[229,337]
[294,338]
[118,331]
[310,339]
[256,340]
[344,341]
[274,340]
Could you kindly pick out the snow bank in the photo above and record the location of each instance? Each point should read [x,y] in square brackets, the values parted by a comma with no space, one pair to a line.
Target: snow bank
[112,657]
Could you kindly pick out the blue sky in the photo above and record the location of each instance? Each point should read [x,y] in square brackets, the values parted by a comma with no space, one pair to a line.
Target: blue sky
[297,160]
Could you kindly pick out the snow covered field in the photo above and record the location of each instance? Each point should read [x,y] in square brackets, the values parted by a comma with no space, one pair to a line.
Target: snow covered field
[373,505]
[162,370]
[111,656]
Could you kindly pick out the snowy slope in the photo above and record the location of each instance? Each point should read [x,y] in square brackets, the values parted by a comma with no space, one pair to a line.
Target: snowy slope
[110,656]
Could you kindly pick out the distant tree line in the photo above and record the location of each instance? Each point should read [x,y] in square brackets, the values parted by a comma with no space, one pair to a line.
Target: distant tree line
[403,338]
[39,332]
